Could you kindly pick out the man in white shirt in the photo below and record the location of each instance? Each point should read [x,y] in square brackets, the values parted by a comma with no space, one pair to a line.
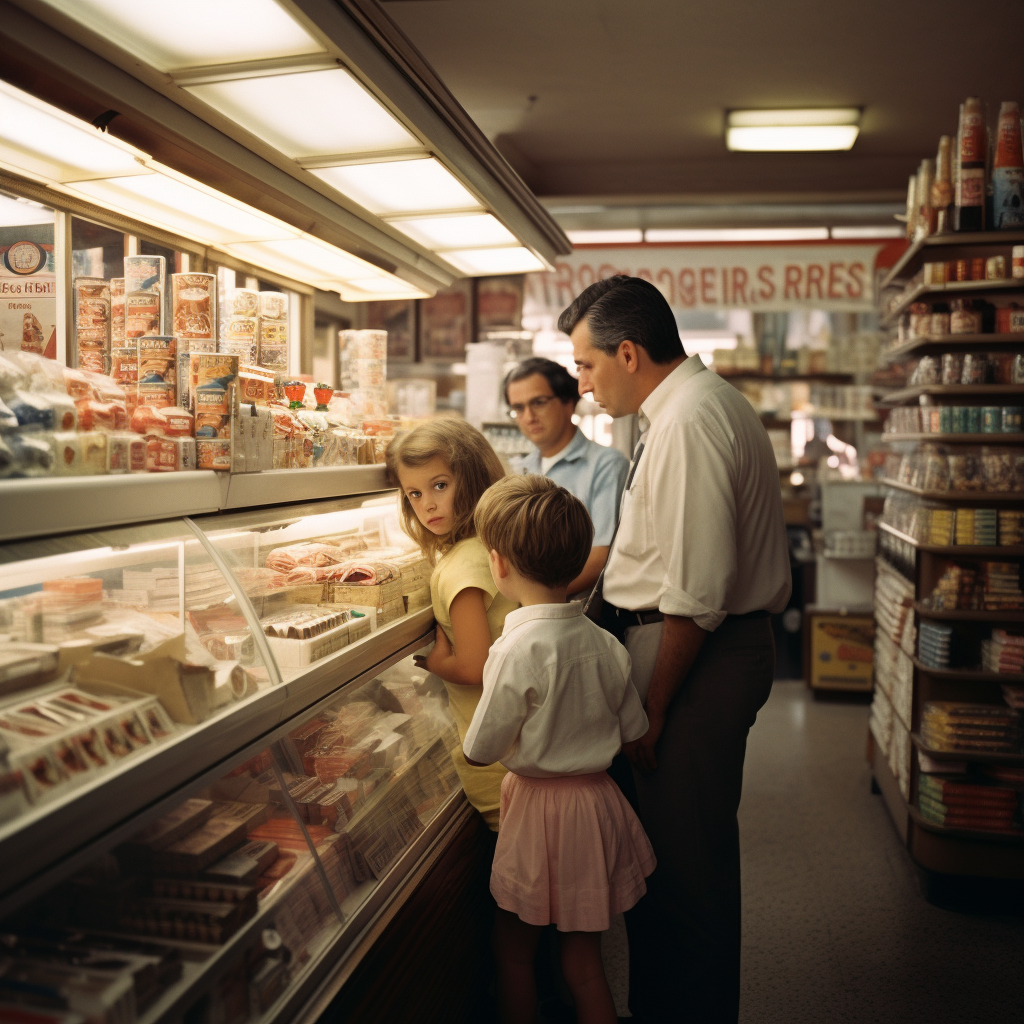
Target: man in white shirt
[699,561]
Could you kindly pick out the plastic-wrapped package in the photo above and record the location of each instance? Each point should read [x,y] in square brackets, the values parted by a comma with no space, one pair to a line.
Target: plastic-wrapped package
[965,471]
[32,456]
[163,422]
[33,411]
[12,377]
[194,304]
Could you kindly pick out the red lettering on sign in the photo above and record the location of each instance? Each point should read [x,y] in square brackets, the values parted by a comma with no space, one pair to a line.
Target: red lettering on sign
[833,279]
[666,284]
[739,284]
[856,270]
[765,275]
[725,286]
[707,286]
[815,273]
[687,287]
[607,270]
[645,275]
[564,291]
[794,275]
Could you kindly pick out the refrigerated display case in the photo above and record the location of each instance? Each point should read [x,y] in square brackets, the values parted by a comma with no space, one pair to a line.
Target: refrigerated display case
[219,765]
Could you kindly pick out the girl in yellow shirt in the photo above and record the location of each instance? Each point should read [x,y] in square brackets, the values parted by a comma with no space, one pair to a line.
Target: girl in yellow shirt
[442,469]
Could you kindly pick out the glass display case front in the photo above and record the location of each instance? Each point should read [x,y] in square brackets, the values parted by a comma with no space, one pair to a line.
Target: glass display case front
[221,907]
[133,659]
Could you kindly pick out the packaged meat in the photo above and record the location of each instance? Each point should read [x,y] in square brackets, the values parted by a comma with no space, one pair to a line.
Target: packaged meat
[8,421]
[116,312]
[170,454]
[157,359]
[124,365]
[92,321]
[214,454]
[243,302]
[106,416]
[32,411]
[213,394]
[163,422]
[142,314]
[144,274]
[194,305]
[157,395]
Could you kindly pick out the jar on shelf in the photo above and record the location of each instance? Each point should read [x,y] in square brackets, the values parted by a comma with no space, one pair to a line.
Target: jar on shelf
[991,419]
[952,367]
[935,472]
[1017,370]
[976,368]
[920,319]
[995,268]
[974,419]
[1012,417]
[965,471]
[939,324]
[926,371]
[963,317]
[998,468]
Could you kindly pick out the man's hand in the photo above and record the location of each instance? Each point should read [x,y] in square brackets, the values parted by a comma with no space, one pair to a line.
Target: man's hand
[641,751]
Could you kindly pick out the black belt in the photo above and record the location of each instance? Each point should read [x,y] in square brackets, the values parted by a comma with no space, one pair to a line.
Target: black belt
[626,618]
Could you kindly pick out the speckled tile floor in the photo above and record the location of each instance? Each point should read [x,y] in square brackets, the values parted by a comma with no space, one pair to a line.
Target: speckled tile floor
[835,927]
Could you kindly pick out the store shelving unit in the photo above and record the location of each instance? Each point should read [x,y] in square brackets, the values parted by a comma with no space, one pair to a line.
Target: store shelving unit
[46,847]
[952,343]
[910,683]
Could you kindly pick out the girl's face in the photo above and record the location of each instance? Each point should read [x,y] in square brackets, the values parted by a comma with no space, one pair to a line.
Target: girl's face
[430,489]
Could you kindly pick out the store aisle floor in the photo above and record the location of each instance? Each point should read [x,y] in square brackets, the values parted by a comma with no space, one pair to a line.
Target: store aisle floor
[835,926]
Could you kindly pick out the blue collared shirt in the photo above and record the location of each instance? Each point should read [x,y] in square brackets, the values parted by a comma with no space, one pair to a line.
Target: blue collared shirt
[594,473]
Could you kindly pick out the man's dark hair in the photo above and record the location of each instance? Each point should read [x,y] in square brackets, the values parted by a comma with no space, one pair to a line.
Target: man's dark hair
[564,386]
[620,308]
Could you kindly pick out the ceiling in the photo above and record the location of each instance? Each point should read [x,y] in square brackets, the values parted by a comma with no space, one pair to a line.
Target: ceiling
[622,103]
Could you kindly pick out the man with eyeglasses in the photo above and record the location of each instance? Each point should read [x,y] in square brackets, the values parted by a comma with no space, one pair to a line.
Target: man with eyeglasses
[542,396]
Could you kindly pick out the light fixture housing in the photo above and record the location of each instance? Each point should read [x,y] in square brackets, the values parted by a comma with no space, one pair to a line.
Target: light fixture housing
[609,236]
[736,234]
[513,259]
[792,131]
[461,231]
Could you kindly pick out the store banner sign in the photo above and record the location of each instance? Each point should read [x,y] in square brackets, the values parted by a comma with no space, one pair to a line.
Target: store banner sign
[835,277]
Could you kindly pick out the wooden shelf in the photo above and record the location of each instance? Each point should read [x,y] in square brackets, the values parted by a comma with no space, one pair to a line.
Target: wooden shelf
[951,289]
[957,550]
[962,833]
[969,614]
[962,755]
[784,378]
[966,675]
[957,497]
[948,342]
[918,252]
[950,391]
[1017,438]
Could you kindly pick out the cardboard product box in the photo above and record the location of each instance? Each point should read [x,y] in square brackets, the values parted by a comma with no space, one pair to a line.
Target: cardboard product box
[842,651]
[380,596]
[213,394]
[295,653]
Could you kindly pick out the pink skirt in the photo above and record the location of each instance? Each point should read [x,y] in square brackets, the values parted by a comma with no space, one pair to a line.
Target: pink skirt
[570,851]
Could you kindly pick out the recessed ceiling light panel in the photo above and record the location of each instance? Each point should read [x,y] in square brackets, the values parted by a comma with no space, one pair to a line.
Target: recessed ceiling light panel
[441,233]
[483,262]
[307,113]
[792,131]
[193,33]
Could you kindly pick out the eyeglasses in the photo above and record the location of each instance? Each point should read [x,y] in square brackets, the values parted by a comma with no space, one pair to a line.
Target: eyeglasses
[534,405]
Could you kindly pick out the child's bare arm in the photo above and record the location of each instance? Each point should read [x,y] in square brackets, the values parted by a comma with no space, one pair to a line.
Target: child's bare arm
[472,638]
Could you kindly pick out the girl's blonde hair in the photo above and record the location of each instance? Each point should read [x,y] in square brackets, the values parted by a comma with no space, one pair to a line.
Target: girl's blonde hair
[473,464]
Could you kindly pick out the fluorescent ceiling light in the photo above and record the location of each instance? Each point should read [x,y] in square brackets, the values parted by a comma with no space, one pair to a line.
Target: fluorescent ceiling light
[881,231]
[482,262]
[17,213]
[792,131]
[400,186]
[188,209]
[624,236]
[306,259]
[308,113]
[735,234]
[192,33]
[378,288]
[44,141]
[456,232]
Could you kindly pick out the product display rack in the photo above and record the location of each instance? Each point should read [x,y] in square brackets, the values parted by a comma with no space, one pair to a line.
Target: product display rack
[913,568]
[361,878]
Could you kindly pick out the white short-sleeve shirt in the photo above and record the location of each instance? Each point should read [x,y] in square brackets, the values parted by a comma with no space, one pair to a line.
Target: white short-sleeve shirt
[701,531]
[557,696]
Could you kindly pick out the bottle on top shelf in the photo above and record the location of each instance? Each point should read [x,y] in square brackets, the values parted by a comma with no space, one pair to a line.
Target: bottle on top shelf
[1008,170]
[969,211]
[942,185]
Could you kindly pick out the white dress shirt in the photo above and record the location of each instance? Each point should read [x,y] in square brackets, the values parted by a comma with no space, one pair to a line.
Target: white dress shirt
[557,697]
[701,530]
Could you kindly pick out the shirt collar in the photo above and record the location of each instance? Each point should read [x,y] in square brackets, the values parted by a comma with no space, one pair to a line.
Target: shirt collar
[569,610]
[575,449]
[658,398]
